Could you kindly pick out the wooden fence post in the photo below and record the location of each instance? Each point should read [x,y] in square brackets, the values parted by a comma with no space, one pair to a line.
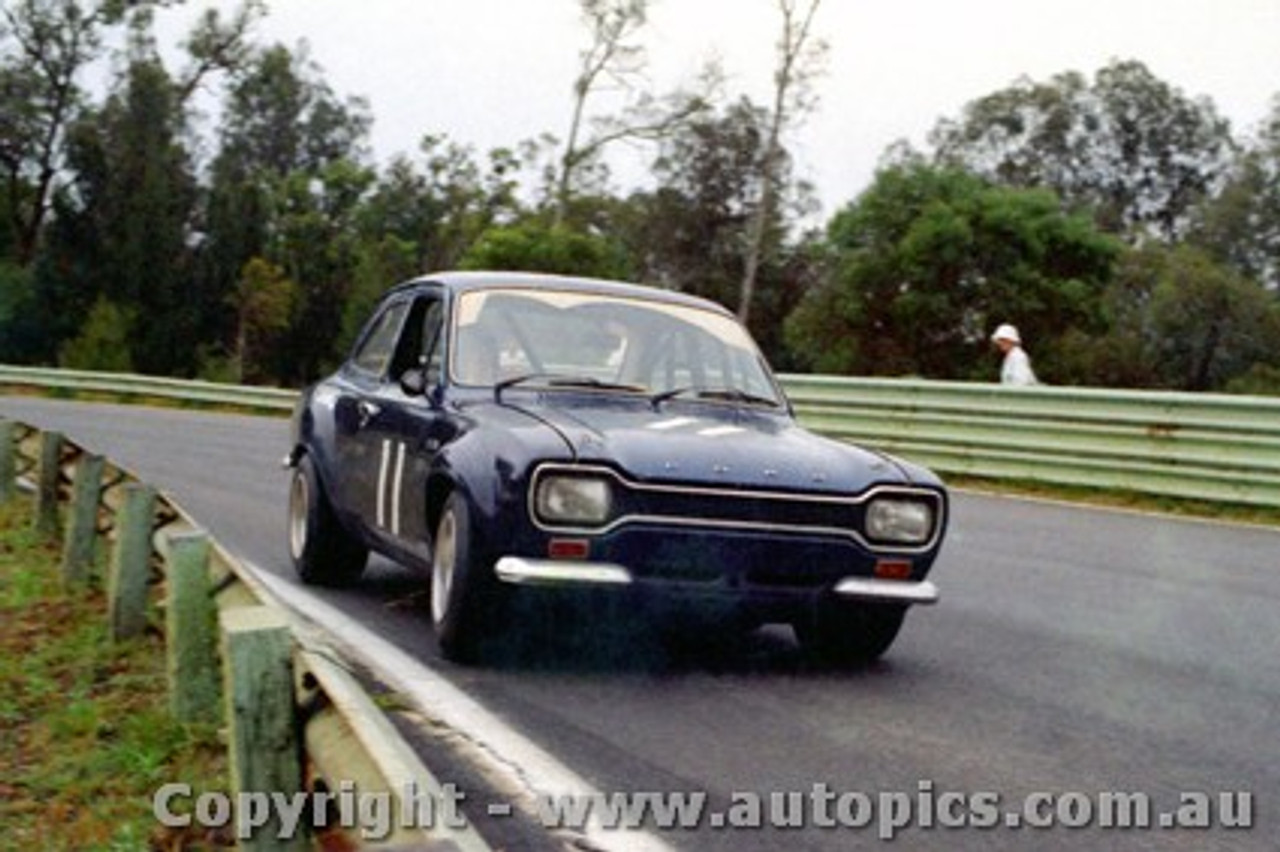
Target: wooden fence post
[131,561]
[8,463]
[48,472]
[258,690]
[191,629]
[80,543]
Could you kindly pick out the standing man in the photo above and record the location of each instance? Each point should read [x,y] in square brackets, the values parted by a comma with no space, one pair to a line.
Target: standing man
[1016,368]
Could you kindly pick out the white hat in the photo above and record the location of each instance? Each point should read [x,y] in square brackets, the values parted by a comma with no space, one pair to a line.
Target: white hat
[1007,332]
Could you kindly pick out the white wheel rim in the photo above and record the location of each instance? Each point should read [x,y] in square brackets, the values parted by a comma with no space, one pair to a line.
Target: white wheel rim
[443,562]
[298,509]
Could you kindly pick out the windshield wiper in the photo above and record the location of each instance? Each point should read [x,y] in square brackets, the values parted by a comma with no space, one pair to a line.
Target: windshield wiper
[564,380]
[728,394]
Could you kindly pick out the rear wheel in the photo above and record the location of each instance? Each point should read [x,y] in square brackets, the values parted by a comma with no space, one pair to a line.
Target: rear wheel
[323,552]
[849,633]
[461,605]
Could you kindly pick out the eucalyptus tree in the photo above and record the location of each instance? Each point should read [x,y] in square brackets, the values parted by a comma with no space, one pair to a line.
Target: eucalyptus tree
[125,221]
[615,59]
[1182,319]
[1134,150]
[286,186]
[800,57]
[1241,225]
[45,46]
[690,232]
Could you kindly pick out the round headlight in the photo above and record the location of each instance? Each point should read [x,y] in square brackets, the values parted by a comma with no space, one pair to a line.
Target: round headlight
[583,500]
[899,520]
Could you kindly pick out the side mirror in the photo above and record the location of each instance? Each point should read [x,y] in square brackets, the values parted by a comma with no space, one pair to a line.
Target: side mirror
[413,382]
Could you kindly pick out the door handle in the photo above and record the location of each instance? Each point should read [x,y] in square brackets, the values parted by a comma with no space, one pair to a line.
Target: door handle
[366,411]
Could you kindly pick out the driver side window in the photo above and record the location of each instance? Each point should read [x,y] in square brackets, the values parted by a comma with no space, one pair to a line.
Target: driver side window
[420,344]
[375,351]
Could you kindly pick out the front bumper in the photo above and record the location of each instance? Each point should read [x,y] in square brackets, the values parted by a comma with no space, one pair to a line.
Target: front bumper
[524,571]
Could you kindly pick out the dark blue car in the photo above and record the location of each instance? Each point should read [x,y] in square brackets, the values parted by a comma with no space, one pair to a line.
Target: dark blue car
[502,431]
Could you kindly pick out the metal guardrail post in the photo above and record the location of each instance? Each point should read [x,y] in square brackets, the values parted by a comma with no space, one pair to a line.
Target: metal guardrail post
[258,690]
[131,561]
[48,474]
[80,544]
[8,462]
[191,628]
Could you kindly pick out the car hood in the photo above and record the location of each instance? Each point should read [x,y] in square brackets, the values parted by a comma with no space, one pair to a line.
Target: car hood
[713,445]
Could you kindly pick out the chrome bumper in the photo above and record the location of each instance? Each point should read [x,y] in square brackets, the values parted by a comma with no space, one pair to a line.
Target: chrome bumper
[889,591]
[553,572]
[522,571]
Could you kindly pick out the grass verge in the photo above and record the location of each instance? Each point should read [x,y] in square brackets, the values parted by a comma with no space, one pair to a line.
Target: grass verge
[85,733]
[1131,500]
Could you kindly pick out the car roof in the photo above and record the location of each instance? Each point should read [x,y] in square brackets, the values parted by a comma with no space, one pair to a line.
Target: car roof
[461,282]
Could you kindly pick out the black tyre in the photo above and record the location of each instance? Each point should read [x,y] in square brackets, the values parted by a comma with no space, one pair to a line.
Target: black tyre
[463,594]
[849,633]
[323,552]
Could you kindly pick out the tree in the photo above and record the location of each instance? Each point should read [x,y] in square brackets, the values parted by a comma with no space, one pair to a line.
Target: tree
[124,220]
[689,234]
[263,301]
[1209,324]
[1241,225]
[1129,147]
[800,59]
[928,261]
[287,186]
[218,44]
[613,57]
[556,249]
[44,44]
[21,333]
[103,343]
[44,47]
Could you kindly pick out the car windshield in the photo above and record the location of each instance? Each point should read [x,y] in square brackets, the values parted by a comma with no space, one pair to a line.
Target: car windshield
[562,338]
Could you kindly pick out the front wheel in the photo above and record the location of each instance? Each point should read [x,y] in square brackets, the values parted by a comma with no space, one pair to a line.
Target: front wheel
[849,633]
[323,553]
[460,607]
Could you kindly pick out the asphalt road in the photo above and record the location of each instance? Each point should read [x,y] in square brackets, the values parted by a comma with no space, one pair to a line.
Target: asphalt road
[1075,653]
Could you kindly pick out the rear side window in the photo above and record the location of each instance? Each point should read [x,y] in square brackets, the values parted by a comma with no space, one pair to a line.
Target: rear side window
[376,349]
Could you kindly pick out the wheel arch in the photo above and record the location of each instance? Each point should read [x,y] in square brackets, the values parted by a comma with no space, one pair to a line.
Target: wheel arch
[439,486]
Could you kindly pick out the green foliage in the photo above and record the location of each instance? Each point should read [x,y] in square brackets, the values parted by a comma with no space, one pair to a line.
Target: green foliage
[264,300]
[20,331]
[124,229]
[379,266]
[1176,318]
[1260,380]
[1211,324]
[928,261]
[547,248]
[105,341]
[1241,225]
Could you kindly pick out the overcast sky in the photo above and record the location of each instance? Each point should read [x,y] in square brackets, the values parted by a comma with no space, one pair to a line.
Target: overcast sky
[495,72]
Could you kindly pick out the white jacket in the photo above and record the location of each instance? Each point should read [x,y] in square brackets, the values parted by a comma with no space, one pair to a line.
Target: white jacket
[1016,369]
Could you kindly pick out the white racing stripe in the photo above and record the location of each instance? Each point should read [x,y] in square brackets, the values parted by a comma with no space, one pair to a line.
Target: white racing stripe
[396,482]
[382,485]
[519,762]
